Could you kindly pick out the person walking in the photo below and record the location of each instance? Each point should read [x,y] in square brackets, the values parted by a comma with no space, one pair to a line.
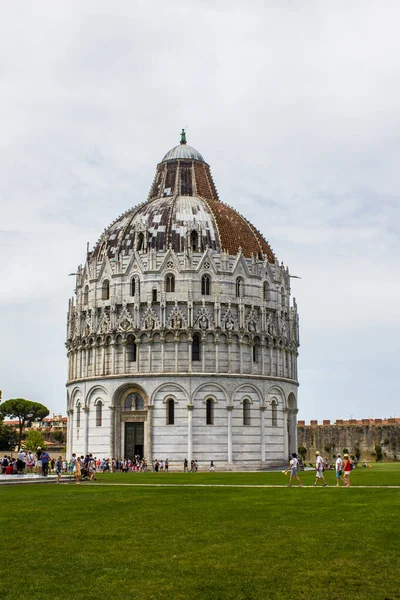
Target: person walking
[294,465]
[77,470]
[39,460]
[319,466]
[346,470]
[59,465]
[339,471]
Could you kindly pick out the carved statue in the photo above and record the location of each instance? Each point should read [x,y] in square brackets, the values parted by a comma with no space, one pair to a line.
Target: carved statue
[203,322]
[229,324]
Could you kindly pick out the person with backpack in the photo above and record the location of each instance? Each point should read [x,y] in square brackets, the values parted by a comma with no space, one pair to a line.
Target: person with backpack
[4,464]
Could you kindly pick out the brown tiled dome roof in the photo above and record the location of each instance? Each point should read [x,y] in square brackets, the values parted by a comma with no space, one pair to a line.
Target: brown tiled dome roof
[183,201]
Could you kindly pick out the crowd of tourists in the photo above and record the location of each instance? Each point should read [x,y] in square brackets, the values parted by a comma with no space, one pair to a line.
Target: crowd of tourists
[343,470]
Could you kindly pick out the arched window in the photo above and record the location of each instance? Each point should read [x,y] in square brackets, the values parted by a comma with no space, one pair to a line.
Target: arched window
[131,349]
[105,290]
[140,242]
[78,415]
[128,402]
[210,411]
[196,345]
[86,295]
[170,283]
[170,412]
[154,295]
[239,287]
[246,411]
[99,413]
[135,286]
[194,241]
[139,402]
[205,285]
[274,413]
[267,292]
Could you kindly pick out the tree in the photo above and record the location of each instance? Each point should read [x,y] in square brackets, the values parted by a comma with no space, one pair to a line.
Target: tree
[379,453]
[25,411]
[33,440]
[8,437]
[302,451]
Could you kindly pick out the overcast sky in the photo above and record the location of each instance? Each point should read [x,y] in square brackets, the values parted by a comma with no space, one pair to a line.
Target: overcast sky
[295,105]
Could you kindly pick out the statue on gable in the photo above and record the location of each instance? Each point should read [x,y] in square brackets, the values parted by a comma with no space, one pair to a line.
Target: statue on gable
[149,322]
[252,326]
[176,322]
[203,322]
[229,324]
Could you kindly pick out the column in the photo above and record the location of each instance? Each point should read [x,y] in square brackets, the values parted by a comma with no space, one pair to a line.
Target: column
[149,356]
[285,434]
[190,408]
[124,356]
[270,361]
[148,440]
[190,345]
[293,430]
[241,356]
[86,430]
[176,340]
[80,373]
[216,342]
[112,432]
[162,352]
[138,365]
[229,408]
[229,344]
[70,438]
[86,362]
[94,359]
[103,358]
[262,419]
[263,358]
[113,357]
[203,354]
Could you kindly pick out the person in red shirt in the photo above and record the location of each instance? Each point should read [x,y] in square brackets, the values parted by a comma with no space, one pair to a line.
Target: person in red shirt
[10,469]
[346,470]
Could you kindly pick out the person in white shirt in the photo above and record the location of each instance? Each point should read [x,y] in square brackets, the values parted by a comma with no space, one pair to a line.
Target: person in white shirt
[319,466]
[339,469]
[294,465]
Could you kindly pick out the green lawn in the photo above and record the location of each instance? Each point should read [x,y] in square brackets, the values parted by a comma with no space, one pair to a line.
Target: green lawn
[120,542]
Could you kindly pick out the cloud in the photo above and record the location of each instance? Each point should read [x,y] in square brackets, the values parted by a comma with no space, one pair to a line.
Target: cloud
[295,107]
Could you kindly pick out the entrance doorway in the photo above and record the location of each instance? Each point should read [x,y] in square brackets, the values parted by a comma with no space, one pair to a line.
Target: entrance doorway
[134,440]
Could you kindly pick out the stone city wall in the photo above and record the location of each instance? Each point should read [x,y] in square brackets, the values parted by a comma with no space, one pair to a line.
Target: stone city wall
[365,434]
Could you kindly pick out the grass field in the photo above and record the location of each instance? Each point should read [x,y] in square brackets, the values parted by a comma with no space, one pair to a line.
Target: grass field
[209,539]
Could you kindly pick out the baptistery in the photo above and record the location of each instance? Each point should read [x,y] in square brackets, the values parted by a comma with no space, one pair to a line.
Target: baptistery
[182,339]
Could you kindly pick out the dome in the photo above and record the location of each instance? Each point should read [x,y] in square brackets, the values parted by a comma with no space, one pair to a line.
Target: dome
[184,152]
[183,204]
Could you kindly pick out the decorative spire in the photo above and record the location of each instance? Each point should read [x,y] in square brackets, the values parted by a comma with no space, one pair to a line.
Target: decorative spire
[183,137]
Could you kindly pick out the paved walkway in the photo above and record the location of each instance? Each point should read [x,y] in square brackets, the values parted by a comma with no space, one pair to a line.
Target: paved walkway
[31,478]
